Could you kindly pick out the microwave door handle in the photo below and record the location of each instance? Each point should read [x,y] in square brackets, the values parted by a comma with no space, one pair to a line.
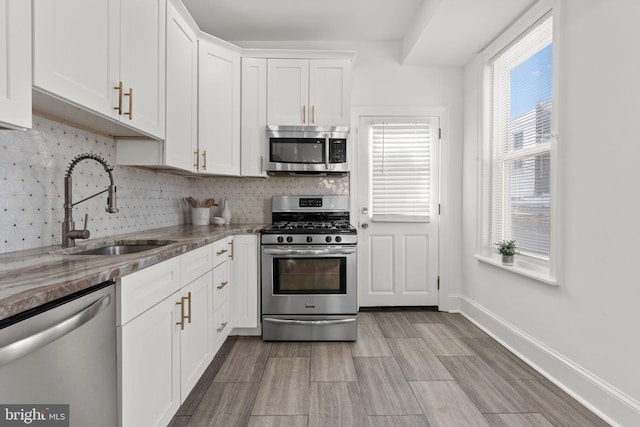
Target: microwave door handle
[326,152]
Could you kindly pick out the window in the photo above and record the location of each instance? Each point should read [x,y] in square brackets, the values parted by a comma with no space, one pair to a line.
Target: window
[401,169]
[520,142]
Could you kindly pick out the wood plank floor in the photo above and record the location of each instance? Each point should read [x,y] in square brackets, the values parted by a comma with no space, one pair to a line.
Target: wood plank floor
[408,368]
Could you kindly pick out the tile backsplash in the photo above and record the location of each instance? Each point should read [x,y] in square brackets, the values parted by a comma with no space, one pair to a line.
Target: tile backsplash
[32,168]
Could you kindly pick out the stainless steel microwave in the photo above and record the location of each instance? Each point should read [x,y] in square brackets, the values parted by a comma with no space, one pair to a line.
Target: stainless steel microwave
[308,150]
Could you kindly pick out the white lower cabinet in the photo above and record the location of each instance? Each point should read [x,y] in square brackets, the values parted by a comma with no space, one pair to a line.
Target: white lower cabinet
[244,298]
[149,366]
[172,319]
[195,354]
[164,336]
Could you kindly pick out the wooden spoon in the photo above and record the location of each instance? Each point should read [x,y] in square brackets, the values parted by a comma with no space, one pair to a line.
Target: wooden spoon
[190,201]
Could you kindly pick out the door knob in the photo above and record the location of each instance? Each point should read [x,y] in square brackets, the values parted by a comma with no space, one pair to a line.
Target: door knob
[365,225]
[364,210]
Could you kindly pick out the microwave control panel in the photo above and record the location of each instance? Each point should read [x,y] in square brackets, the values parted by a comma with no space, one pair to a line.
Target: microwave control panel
[337,150]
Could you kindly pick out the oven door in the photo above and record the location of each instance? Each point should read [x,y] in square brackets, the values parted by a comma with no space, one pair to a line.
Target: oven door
[309,280]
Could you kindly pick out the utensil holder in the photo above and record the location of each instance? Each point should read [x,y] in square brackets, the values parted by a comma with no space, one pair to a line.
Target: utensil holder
[200,216]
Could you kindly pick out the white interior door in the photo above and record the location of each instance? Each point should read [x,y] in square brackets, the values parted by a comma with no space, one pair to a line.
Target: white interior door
[397,210]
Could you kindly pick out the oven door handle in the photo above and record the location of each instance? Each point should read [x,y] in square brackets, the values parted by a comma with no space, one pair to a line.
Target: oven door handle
[332,251]
[308,322]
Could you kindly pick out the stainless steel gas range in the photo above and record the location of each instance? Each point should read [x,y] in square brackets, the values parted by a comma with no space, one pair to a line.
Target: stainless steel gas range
[309,289]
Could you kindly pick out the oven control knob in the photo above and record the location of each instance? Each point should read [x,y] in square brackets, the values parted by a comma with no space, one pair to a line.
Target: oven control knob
[280,239]
[328,239]
[309,239]
[289,239]
[338,239]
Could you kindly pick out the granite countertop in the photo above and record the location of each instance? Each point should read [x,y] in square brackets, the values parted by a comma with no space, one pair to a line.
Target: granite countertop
[34,277]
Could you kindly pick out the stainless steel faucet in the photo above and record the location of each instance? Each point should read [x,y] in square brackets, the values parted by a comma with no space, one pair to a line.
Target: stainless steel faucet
[69,233]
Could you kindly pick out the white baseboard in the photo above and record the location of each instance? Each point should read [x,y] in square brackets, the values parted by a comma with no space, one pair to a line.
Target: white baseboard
[606,401]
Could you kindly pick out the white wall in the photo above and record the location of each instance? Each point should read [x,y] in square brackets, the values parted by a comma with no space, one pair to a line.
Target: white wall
[584,332]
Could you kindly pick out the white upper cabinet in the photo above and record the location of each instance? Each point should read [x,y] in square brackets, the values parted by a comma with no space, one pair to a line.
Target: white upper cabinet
[181,143]
[142,64]
[76,51]
[288,91]
[329,92]
[218,108]
[15,64]
[254,116]
[85,49]
[308,92]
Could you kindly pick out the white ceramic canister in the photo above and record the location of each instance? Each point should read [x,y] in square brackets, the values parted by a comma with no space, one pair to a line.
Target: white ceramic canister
[200,216]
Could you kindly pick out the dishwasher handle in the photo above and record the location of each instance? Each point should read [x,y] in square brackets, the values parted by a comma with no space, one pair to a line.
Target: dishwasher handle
[27,345]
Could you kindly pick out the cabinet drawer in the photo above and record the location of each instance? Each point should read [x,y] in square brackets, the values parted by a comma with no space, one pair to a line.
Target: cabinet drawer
[221,251]
[195,263]
[221,326]
[221,285]
[143,289]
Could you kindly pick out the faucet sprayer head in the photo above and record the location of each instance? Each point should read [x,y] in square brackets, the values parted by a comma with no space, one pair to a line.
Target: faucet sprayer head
[111,200]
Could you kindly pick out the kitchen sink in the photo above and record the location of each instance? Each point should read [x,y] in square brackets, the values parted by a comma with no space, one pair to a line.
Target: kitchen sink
[125,247]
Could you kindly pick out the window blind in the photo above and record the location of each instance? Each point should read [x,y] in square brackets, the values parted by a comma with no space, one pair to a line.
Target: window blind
[521,105]
[401,171]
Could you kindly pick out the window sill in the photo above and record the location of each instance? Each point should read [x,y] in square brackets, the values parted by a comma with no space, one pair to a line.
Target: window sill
[523,268]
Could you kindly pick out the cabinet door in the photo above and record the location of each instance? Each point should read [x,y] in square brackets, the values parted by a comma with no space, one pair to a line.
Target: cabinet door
[254,116]
[194,335]
[142,69]
[218,109]
[288,91]
[76,51]
[329,92]
[244,298]
[181,108]
[149,368]
[15,63]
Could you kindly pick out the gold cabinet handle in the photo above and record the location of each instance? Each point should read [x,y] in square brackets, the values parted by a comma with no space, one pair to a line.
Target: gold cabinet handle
[119,107]
[313,114]
[197,163]
[304,114]
[218,253]
[204,159]
[188,298]
[182,303]
[231,255]
[181,322]
[222,326]
[130,95]
[222,285]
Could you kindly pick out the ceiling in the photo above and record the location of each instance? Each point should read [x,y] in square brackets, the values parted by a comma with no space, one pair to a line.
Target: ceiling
[432,32]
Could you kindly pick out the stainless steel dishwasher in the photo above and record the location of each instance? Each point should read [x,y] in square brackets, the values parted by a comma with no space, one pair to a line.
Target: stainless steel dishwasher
[63,353]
